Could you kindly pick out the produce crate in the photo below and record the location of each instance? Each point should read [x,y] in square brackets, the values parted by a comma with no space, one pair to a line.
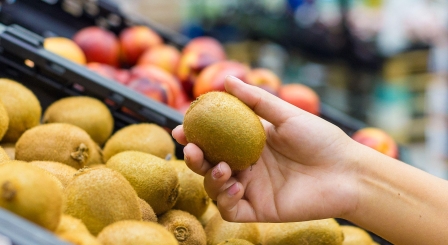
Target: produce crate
[51,77]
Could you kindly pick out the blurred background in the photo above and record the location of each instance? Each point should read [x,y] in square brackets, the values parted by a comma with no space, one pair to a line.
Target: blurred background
[382,62]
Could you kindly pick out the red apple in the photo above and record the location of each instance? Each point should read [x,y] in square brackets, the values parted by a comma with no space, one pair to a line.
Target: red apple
[120,75]
[164,56]
[98,45]
[377,139]
[212,77]
[135,40]
[264,78]
[301,96]
[156,91]
[158,75]
[199,53]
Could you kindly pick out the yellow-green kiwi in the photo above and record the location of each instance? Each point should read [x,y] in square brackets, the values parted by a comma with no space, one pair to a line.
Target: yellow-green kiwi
[225,129]
[58,142]
[144,137]
[147,212]
[152,177]
[99,197]
[355,236]
[314,232]
[185,227]
[31,193]
[192,195]
[131,232]
[10,149]
[23,107]
[4,120]
[218,230]
[69,223]
[61,171]
[79,238]
[86,112]
[211,210]
[233,241]
[3,155]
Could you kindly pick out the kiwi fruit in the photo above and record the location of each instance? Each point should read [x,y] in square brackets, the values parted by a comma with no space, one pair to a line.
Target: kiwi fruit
[3,155]
[96,155]
[131,232]
[211,210]
[69,223]
[147,212]
[235,242]
[355,236]
[192,195]
[99,197]
[144,137]
[4,120]
[152,177]
[10,149]
[218,230]
[79,238]
[23,108]
[86,112]
[313,232]
[61,171]
[31,193]
[225,129]
[185,227]
[58,142]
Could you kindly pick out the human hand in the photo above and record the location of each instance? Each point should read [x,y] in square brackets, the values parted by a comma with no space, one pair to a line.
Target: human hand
[306,170]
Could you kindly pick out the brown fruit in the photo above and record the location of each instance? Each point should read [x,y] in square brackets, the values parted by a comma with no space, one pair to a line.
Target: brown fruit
[23,108]
[218,230]
[3,155]
[4,120]
[184,226]
[211,210]
[234,241]
[61,171]
[69,223]
[355,236]
[58,142]
[147,212]
[10,149]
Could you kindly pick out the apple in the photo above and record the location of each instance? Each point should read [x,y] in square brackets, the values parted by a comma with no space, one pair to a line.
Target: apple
[156,74]
[66,48]
[377,139]
[301,96]
[99,45]
[135,40]
[212,77]
[199,53]
[154,90]
[164,56]
[264,78]
[120,75]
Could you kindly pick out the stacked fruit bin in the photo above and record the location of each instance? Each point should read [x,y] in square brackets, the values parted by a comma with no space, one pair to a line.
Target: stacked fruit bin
[50,77]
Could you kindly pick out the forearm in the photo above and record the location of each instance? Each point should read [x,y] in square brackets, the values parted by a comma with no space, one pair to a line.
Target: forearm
[399,202]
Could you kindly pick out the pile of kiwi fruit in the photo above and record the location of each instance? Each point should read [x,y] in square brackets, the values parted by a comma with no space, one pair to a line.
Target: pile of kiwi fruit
[65,169]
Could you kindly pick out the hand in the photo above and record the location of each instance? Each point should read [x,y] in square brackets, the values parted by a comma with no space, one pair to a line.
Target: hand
[306,170]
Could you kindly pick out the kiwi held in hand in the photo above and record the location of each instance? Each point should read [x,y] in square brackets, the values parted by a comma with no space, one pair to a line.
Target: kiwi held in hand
[23,107]
[88,113]
[225,129]
[58,142]
[185,227]
[31,193]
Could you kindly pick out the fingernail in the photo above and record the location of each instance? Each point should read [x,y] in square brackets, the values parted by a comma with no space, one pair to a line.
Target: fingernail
[233,189]
[217,172]
[232,78]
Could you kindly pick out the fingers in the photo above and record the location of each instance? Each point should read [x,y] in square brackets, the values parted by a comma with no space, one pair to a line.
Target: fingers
[263,103]
[218,179]
[179,135]
[194,158]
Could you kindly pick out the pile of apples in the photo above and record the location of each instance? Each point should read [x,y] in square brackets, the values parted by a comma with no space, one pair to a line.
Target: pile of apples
[140,59]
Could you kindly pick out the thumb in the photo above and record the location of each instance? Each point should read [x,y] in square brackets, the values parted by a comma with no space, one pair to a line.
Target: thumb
[263,103]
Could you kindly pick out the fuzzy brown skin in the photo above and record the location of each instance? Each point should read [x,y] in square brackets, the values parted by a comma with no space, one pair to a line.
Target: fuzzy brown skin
[4,120]
[131,232]
[356,236]
[225,129]
[144,137]
[315,232]
[61,171]
[154,180]
[30,192]
[218,230]
[99,197]
[185,227]
[3,155]
[235,242]
[147,212]
[88,113]
[23,108]
[192,196]
[58,142]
